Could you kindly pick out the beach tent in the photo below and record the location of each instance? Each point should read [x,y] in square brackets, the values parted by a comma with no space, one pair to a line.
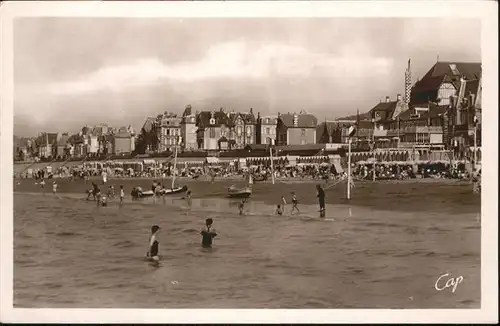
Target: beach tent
[212,160]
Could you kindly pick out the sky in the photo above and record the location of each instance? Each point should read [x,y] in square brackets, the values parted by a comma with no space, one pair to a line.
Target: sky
[69,72]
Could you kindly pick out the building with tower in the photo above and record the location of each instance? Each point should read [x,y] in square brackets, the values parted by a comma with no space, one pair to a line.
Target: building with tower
[188,129]
[408,84]
[213,130]
[244,129]
[170,131]
[442,81]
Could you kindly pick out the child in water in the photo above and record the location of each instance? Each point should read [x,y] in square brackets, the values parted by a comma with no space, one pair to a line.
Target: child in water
[188,198]
[154,245]
[122,194]
[241,206]
[98,196]
[54,187]
[104,201]
[207,235]
[111,192]
[279,210]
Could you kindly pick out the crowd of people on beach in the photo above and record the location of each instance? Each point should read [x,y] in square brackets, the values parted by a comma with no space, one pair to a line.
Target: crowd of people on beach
[404,171]
[311,171]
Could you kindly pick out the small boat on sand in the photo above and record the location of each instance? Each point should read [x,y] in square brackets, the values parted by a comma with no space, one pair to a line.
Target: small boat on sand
[235,192]
[165,192]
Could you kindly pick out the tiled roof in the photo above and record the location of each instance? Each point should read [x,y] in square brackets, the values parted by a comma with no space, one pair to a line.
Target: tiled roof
[331,126]
[273,120]
[148,124]
[433,112]
[123,134]
[434,77]
[305,120]
[221,118]
[171,122]
[248,117]
[386,108]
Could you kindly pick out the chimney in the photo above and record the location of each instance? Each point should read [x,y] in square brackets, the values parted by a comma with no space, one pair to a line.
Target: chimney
[387,99]
[251,111]
[398,97]
[295,120]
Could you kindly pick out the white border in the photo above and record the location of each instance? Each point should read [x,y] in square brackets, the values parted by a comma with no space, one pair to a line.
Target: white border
[484,10]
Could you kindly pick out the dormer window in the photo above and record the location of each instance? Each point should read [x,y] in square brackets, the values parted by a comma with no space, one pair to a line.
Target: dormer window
[454,70]
[267,120]
[212,121]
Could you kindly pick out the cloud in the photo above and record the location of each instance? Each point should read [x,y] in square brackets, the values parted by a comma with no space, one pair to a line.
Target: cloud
[240,60]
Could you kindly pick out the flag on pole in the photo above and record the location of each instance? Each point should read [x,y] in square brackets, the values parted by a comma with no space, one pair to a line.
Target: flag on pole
[351,131]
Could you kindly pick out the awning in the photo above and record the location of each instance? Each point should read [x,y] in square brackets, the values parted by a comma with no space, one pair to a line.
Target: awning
[338,167]
[212,160]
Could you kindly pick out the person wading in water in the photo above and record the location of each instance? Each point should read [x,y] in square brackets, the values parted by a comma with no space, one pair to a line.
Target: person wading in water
[154,245]
[207,235]
[321,199]
[294,203]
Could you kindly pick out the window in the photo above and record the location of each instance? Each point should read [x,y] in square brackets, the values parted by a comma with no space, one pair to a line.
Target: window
[268,131]
[168,132]
[303,132]
[212,132]
[267,120]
